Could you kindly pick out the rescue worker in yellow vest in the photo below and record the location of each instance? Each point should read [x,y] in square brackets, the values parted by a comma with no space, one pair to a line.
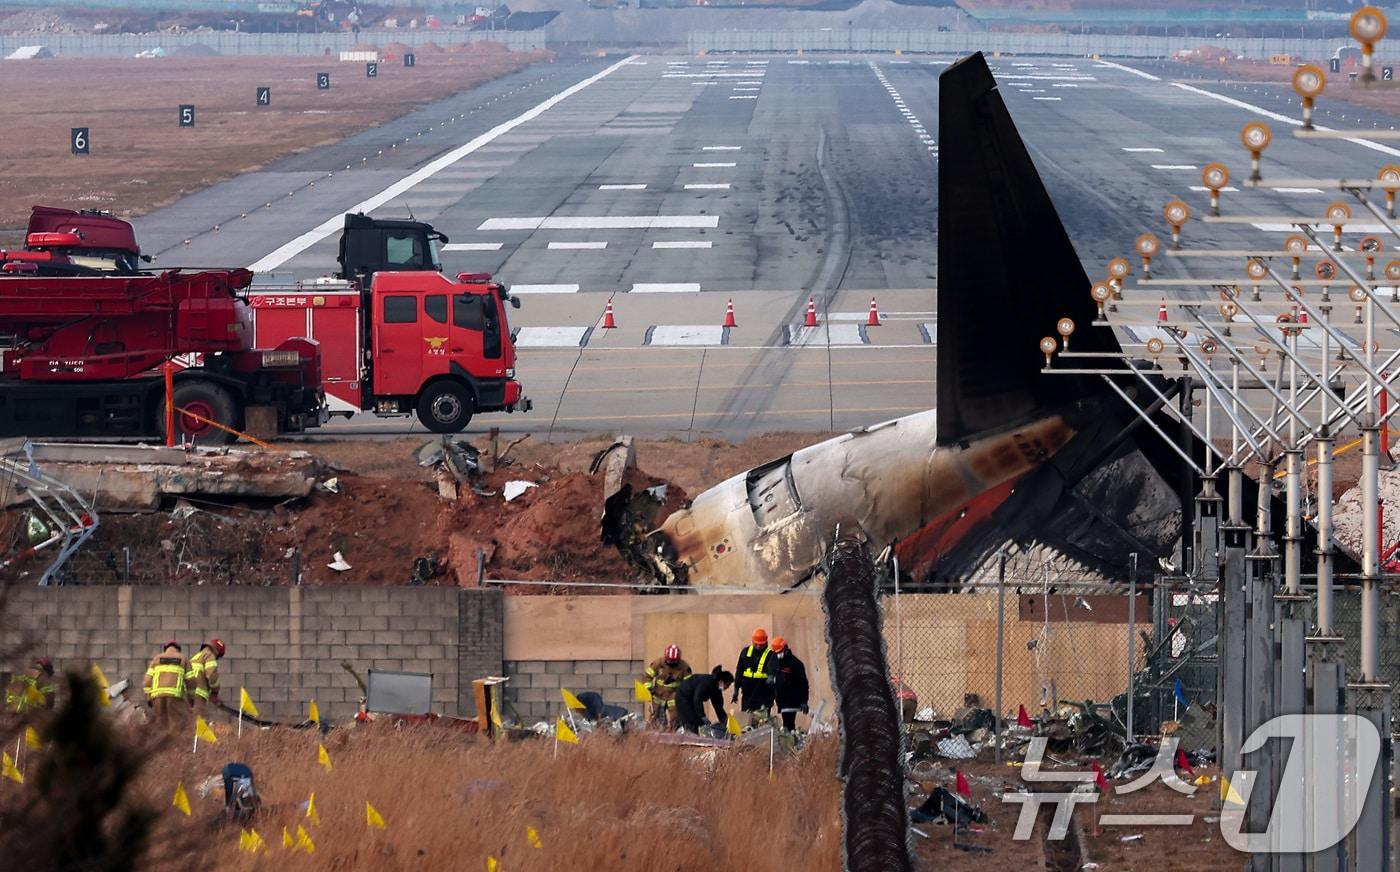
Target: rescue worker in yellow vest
[31,690]
[663,675]
[753,672]
[202,680]
[165,687]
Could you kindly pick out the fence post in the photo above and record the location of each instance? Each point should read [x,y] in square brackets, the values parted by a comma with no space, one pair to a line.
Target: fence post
[1132,631]
[1001,642]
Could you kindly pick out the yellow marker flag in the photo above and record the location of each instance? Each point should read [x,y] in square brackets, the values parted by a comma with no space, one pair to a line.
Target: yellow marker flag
[34,697]
[492,864]
[182,799]
[313,714]
[496,713]
[102,684]
[322,757]
[203,731]
[643,692]
[8,769]
[534,836]
[1228,793]
[564,734]
[570,700]
[304,842]
[311,814]
[373,817]
[250,841]
[732,727]
[287,838]
[245,703]
[31,738]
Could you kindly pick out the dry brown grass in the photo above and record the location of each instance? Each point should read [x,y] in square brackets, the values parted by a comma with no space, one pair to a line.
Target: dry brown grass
[451,800]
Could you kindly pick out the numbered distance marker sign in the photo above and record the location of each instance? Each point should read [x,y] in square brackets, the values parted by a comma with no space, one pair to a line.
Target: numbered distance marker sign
[371,70]
[78,140]
[264,96]
[323,81]
[187,115]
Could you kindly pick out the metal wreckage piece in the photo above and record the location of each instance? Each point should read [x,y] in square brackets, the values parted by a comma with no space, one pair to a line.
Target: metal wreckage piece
[874,818]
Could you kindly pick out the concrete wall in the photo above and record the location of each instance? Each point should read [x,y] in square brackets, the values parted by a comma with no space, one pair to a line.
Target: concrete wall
[284,644]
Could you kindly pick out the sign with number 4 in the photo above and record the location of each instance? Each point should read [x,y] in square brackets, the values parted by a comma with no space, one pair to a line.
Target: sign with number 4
[187,115]
[78,140]
[264,96]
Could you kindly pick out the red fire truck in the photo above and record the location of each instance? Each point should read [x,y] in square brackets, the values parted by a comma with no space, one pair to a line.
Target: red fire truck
[397,337]
[83,331]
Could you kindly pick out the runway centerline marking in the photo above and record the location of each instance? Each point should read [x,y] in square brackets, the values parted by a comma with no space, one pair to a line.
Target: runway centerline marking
[622,187]
[544,289]
[700,186]
[577,245]
[1175,167]
[720,147]
[331,225]
[1143,149]
[713,165]
[666,288]
[683,243]
[472,246]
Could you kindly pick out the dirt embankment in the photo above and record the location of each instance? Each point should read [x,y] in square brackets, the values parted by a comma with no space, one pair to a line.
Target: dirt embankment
[140,158]
[383,513]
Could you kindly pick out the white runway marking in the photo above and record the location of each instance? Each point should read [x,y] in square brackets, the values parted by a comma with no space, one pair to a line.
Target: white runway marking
[602,222]
[1352,227]
[1032,90]
[1142,149]
[685,334]
[827,334]
[622,187]
[711,75]
[707,186]
[799,62]
[1111,65]
[336,222]
[544,289]
[472,246]
[1064,85]
[713,165]
[666,288]
[743,96]
[1202,188]
[744,89]
[1298,190]
[748,83]
[578,245]
[552,337]
[1175,167]
[720,147]
[1052,99]
[683,243]
[929,330]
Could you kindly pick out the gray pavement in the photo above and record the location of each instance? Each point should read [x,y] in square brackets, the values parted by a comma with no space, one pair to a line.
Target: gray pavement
[671,184]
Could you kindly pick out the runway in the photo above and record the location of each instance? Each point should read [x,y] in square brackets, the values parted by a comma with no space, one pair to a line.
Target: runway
[668,185]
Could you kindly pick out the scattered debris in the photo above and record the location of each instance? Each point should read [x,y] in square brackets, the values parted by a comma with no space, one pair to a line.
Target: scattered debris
[339,564]
[956,748]
[330,485]
[514,489]
[943,806]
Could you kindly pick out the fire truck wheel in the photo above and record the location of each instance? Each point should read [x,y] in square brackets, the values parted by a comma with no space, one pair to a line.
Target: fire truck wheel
[445,407]
[207,400]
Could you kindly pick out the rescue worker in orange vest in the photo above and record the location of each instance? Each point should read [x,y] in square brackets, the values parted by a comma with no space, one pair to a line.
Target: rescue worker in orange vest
[202,680]
[165,686]
[32,690]
[663,675]
[753,671]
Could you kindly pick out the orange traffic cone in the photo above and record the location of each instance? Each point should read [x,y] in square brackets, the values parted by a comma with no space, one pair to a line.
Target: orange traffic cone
[608,322]
[874,319]
[811,319]
[1162,312]
[729,314]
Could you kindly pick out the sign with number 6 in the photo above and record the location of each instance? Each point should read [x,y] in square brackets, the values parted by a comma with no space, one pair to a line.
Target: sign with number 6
[78,140]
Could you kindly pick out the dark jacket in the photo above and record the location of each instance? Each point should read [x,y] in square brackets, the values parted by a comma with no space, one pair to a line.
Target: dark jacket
[700,689]
[792,681]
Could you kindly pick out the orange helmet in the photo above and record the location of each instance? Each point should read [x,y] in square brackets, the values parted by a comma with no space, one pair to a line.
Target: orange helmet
[779,644]
[760,636]
[217,645]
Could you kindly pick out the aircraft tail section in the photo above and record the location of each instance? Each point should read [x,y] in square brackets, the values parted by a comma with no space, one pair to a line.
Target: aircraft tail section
[1006,269]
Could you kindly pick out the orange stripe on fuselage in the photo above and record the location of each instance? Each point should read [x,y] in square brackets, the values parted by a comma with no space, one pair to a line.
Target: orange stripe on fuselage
[919,552]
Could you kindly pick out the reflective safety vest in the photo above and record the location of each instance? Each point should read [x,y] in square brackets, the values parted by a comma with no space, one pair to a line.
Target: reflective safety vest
[203,675]
[759,671]
[25,692]
[159,685]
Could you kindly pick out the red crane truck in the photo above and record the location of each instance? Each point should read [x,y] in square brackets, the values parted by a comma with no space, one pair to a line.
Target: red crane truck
[83,331]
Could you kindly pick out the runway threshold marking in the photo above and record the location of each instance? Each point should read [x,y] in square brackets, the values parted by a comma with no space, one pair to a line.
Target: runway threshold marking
[622,187]
[335,223]
[472,246]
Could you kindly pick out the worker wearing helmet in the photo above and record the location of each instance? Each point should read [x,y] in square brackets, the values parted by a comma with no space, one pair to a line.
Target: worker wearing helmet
[695,690]
[165,686]
[203,676]
[33,689]
[754,669]
[662,676]
[790,690]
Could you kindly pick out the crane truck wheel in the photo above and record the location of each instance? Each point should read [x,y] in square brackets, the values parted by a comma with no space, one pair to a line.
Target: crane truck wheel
[445,407]
[207,400]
